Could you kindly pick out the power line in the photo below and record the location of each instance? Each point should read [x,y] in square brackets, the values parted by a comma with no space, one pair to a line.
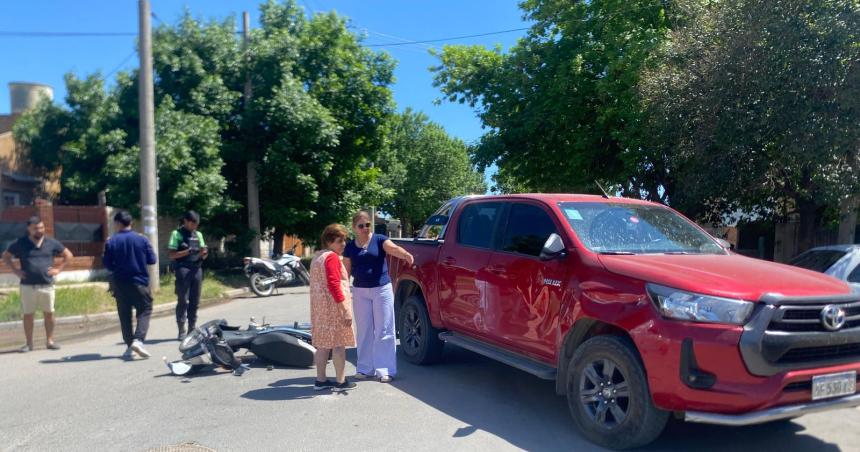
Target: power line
[451,38]
[62,34]
[120,65]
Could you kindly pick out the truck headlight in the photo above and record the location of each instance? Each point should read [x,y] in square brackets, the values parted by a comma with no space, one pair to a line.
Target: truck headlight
[681,305]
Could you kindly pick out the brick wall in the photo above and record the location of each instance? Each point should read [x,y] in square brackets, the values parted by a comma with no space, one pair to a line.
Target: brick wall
[87,253]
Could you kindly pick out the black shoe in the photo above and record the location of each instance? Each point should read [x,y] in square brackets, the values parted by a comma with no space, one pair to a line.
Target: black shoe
[345,386]
[323,385]
[181,335]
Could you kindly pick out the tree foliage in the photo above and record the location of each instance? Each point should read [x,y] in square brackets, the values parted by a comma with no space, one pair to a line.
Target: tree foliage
[94,143]
[424,167]
[562,105]
[754,105]
[314,124]
[314,120]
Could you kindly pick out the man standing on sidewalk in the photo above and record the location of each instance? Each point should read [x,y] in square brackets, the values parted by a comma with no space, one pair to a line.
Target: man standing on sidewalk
[36,253]
[187,250]
[127,255]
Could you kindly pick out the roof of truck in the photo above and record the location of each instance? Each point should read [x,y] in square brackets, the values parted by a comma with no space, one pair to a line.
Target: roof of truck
[562,197]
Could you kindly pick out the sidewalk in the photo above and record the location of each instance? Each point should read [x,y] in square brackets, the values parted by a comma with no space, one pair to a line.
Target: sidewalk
[75,327]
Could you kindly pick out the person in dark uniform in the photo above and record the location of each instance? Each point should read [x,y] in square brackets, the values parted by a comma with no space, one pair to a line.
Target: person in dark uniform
[126,256]
[187,250]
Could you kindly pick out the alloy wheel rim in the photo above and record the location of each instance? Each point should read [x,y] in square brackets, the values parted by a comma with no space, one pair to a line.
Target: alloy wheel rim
[412,332]
[604,393]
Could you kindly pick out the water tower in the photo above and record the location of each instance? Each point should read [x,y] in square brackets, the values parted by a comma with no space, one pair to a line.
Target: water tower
[24,95]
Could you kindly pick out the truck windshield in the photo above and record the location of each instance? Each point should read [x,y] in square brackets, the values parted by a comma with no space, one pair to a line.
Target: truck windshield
[636,229]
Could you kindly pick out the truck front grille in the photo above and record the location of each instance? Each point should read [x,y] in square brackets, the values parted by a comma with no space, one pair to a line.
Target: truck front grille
[815,354]
[808,317]
[788,334]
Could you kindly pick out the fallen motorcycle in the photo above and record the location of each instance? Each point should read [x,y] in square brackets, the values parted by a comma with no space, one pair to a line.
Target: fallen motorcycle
[216,342]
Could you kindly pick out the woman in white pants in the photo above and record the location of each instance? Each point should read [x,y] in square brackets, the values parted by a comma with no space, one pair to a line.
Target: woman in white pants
[373,298]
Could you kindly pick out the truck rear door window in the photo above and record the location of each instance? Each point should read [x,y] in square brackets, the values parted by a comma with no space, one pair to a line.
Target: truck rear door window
[476,224]
[528,229]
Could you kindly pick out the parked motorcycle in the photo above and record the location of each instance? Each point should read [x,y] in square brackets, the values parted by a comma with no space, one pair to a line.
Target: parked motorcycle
[216,342]
[266,274]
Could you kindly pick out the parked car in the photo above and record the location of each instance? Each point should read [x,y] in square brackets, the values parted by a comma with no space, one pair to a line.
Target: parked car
[840,261]
[635,312]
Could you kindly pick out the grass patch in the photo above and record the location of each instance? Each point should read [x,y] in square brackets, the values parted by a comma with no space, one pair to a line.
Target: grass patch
[69,301]
[94,300]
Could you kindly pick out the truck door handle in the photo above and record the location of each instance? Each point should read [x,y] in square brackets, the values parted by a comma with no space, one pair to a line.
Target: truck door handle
[496,269]
[449,261]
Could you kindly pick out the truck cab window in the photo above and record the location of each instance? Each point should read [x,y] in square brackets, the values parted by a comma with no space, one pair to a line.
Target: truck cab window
[476,224]
[529,227]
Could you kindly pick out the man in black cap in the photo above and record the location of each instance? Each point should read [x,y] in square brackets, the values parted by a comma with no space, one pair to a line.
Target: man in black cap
[187,250]
[127,255]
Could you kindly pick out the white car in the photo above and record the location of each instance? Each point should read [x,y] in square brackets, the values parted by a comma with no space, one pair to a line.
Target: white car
[840,261]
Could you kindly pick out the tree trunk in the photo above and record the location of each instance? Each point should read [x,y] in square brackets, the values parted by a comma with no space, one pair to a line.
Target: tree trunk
[848,219]
[278,241]
[808,212]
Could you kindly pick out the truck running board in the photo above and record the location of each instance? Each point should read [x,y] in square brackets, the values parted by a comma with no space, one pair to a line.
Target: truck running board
[521,362]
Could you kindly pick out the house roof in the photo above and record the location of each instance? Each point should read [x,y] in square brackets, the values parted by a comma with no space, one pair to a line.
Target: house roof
[18,177]
[7,122]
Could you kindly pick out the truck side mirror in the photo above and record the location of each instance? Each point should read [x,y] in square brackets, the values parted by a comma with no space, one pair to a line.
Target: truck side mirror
[724,243]
[553,248]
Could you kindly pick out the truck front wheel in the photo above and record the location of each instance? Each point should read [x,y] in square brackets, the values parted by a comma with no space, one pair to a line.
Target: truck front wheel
[419,340]
[608,396]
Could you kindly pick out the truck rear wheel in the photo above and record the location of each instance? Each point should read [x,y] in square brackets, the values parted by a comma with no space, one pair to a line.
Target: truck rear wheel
[419,340]
[608,395]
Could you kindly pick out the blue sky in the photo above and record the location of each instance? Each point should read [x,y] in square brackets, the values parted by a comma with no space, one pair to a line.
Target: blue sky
[46,60]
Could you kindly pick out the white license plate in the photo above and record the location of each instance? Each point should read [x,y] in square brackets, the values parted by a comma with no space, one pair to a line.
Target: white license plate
[834,385]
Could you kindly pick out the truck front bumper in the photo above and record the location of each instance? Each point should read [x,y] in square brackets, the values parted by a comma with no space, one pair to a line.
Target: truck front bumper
[772,414]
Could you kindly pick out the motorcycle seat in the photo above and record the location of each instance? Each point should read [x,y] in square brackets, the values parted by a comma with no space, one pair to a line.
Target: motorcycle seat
[239,339]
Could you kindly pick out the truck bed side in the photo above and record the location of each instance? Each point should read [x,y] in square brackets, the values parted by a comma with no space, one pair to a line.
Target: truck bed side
[421,276]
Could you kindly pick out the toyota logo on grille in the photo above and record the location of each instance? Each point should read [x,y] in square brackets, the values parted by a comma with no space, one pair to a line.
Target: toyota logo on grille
[832,317]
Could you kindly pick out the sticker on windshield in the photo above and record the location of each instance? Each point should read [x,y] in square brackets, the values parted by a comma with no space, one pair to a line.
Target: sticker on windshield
[573,214]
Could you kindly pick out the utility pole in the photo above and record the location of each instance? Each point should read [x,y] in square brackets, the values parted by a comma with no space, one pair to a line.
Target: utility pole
[146,105]
[251,168]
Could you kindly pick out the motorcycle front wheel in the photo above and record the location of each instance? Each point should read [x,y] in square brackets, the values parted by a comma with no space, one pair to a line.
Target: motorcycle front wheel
[262,290]
[303,276]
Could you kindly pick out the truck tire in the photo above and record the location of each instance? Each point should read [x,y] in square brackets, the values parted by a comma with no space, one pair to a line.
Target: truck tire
[419,340]
[608,395]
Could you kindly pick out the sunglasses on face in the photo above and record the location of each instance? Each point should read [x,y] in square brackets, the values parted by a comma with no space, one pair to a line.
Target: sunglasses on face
[363,225]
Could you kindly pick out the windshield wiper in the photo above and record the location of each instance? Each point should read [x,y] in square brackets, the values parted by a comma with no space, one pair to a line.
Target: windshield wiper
[617,253]
[678,252]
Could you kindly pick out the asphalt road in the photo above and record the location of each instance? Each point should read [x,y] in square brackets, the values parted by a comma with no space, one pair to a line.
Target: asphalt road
[84,397]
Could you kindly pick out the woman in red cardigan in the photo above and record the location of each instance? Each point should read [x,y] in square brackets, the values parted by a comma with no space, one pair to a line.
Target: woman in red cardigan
[331,309]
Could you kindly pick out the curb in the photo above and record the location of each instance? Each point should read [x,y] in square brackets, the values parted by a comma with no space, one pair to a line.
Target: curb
[76,326]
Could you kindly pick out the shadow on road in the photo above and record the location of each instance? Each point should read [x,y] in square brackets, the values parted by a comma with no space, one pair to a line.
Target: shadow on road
[777,436]
[80,358]
[525,411]
[154,341]
[288,389]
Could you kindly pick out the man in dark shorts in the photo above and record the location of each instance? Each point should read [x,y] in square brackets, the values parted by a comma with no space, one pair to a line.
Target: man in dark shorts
[127,255]
[187,250]
[36,253]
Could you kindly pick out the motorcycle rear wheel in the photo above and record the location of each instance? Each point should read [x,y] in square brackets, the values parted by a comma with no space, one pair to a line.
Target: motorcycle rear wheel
[259,289]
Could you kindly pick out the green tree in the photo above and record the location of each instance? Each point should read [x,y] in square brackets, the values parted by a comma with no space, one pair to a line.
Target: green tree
[424,167]
[93,143]
[562,106]
[755,108]
[314,122]
[314,125]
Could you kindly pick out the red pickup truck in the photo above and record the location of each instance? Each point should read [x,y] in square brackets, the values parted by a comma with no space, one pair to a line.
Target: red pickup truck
[636,313]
